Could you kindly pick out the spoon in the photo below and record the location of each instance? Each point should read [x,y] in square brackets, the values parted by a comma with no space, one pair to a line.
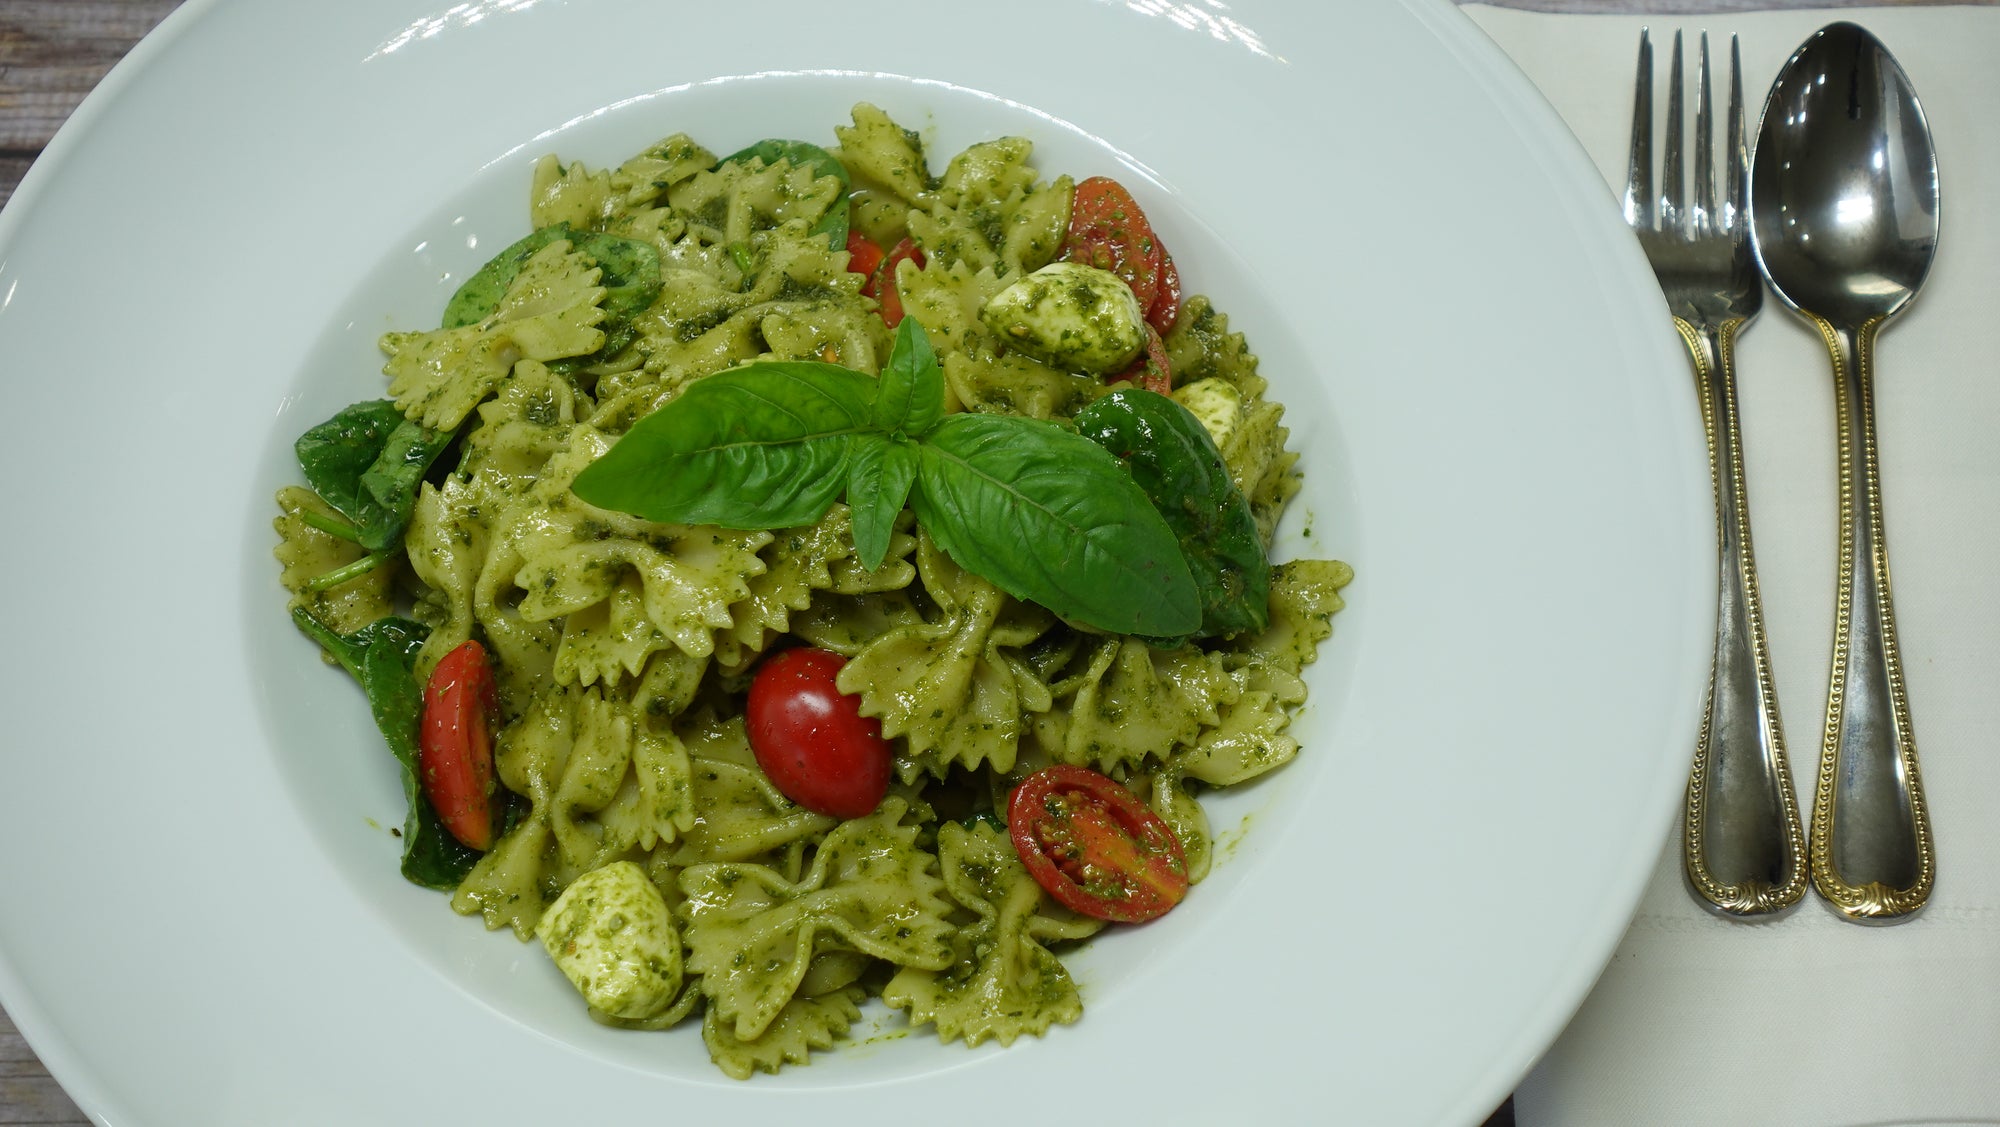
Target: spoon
[1844,218]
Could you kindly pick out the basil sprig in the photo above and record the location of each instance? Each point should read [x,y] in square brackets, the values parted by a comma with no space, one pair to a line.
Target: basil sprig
[1043,513]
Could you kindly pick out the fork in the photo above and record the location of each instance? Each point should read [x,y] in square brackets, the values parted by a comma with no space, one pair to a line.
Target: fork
[1743,846]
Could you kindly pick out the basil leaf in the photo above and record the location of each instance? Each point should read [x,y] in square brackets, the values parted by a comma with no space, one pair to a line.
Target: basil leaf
[367,462]
[760,446]
[628,270]
[1174,460]
[803,153]
[1049,516]
[382,656]
[879,478]
[910,398]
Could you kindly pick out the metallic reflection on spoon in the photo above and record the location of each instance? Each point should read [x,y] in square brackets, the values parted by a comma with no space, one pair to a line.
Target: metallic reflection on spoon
[1844,211]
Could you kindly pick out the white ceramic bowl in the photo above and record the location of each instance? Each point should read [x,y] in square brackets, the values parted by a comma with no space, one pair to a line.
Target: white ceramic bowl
[204,923]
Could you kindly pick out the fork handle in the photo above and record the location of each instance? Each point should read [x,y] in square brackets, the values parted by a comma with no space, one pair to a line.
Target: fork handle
[1872,854]
[1743,847]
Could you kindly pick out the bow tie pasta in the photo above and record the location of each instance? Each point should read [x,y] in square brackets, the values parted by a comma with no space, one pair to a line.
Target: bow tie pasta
[569,687]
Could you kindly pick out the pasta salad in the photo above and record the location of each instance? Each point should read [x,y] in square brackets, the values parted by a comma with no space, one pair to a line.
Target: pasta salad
[801,576]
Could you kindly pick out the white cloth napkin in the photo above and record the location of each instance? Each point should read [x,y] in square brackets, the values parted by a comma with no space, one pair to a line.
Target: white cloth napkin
[1810,1020]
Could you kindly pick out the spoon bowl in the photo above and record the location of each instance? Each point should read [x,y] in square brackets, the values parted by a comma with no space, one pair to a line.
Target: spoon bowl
[1844,220]
[1844,191]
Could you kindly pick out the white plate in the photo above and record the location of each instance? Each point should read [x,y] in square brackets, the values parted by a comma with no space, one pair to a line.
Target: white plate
[203,923]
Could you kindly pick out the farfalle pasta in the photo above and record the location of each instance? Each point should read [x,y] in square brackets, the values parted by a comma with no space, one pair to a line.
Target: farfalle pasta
[1003,980]
[619,648]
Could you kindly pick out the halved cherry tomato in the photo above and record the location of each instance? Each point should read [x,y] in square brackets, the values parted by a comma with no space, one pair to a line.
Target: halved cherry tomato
[455,748]
[1166,307]
[1150,370]
[811,739]
[1109,231]
[1094,846]
[882,287]
[863,258]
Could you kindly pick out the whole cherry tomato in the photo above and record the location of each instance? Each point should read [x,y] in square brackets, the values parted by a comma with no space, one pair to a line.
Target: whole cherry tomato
[811,739]
[455,745]
[1094,846]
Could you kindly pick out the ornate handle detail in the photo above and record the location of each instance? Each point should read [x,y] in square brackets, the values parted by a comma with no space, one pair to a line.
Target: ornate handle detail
[1872,854]
[1742,846]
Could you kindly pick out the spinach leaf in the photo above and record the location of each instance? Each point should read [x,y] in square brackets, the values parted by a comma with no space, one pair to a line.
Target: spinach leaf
[805,154]
[337,452]
[382,656]
[367,462]
[1050,516]
[390,484]
[628,270]
[761,446]
[1173,459]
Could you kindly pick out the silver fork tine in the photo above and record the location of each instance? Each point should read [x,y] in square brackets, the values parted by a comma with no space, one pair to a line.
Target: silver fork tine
[1639,169]
[1734,213]
[1673,187]
[1701,222]
[1742,845]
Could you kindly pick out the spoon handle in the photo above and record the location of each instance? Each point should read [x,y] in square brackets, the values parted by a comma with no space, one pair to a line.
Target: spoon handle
[1872,855]
[1742,845]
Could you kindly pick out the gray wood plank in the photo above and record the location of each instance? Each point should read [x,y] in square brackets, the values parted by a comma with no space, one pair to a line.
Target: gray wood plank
[29,1096]
[12,167]
[52,53]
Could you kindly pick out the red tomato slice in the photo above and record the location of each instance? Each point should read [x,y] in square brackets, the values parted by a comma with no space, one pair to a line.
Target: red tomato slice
[863,258]
[882,287]
[454,745]
[1109,231]
[1150,370]
[1166,307]
[1094,846]
[811,739]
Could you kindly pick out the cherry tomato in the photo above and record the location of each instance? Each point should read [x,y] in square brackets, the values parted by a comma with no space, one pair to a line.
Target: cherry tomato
[1094,846]
[455,748]
[863,258]
[882,287]
[811,739]
[1150,370]
[1166,307]
[1107,230]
